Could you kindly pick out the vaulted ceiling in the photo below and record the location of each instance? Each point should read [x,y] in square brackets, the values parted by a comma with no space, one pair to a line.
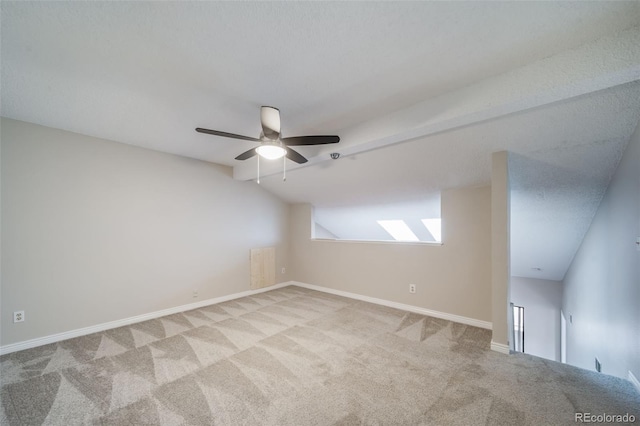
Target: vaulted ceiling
[421,94]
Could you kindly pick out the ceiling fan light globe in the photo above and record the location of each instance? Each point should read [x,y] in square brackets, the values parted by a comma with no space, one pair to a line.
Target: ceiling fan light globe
[271,152]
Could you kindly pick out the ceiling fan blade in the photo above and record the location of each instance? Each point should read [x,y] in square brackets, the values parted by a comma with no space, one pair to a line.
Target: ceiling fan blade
[310,140]
[270,119]
[226,135]
[247,154]
[295,156]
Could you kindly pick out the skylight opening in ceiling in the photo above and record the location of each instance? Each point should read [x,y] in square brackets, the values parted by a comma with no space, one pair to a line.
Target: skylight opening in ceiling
[416,221]
[398,230]
[434,226]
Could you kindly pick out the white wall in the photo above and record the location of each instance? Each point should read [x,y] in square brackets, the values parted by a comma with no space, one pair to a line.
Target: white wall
[95,231]
[542,302]
[602,286]
[454,278]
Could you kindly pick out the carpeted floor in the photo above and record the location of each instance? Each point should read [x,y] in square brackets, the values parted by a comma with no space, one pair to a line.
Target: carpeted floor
[294,356]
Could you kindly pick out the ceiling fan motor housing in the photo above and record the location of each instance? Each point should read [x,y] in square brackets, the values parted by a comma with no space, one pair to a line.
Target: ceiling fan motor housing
[270,119]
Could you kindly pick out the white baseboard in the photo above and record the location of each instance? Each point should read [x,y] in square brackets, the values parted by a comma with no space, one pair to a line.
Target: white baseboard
[32,343]
[27,344]
[418,310]
[634,381]
[500,347]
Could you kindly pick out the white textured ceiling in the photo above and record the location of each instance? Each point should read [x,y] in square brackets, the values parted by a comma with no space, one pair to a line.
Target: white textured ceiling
[420,92]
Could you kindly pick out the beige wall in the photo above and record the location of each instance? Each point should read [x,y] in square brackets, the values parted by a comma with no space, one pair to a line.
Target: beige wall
[499,237]
[95,231]
[602,286]
[454,278]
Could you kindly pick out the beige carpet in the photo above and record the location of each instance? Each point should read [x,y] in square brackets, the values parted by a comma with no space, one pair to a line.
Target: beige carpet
[293,356]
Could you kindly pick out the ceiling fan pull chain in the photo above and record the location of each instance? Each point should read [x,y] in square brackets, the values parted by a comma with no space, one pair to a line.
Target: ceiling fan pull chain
[284,168]
[258,169]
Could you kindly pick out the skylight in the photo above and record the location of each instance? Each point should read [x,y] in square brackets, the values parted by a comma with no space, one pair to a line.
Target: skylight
[367,222]
[434,226]
[398,230]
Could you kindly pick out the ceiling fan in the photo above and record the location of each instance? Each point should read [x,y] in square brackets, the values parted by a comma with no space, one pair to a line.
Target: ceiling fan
[272,146]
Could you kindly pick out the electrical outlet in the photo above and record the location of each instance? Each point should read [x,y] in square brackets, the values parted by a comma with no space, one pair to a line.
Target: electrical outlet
[283,270]
[18,316]
[195,294]
[412,288]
